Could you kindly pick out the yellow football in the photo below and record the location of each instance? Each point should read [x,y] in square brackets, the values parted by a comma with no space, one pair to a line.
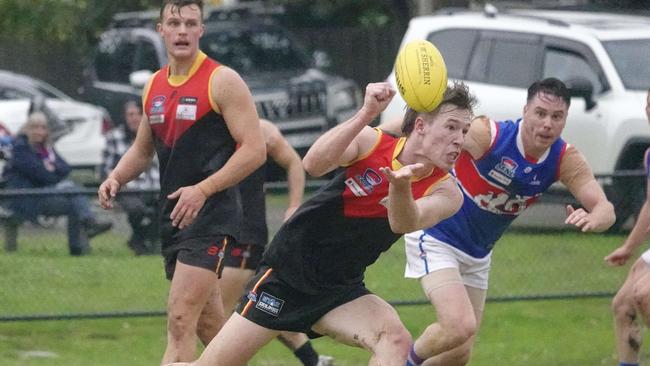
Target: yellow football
[421,75]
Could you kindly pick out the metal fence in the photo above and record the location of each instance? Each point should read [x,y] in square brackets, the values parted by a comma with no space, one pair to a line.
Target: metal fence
[541,259]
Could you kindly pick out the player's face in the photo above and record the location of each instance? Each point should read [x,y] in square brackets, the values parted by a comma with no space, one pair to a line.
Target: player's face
[544,119]
[443,138]
[181,29]
[133,115]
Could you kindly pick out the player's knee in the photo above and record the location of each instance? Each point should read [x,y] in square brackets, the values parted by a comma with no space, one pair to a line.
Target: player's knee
[620,306]
[641,298]
[395,341]
[460,330]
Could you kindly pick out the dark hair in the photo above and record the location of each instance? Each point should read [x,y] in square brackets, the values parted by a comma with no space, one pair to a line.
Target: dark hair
[457,94]
[177,4]
[550,86]
[133,102]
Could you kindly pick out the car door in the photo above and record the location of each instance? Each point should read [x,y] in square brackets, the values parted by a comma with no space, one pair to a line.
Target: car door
[570,60]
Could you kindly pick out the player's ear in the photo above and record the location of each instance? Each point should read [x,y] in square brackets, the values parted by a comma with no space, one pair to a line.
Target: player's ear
[419,124]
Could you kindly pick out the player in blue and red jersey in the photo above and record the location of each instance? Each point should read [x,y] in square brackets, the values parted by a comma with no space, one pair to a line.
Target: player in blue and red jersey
[311,276]
[503,169]
[196,112]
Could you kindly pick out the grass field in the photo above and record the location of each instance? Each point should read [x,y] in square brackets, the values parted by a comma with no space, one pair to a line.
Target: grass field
[42,279]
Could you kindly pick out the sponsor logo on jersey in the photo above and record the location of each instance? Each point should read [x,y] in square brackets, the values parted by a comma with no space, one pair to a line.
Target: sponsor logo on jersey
[269,304]
[535,182]
[157,105]
[364,184]
[186,112]
[156,119]
[507,166]
[504,171]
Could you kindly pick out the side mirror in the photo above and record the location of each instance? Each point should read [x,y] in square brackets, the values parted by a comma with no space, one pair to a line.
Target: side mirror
[138,79]
[582,88]
[321,60]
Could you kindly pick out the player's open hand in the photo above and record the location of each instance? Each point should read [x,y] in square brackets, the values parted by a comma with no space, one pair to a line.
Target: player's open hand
[377,98]
[619,256]
[107,192]
[580,218]
[403,175]
[190,202]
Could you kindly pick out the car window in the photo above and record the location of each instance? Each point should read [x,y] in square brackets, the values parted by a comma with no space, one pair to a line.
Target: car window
[630,58]
[12,93]
[513,60]
[147,57]
[248,51]
[566,65]
[456,46]
[479,61]
[114,59]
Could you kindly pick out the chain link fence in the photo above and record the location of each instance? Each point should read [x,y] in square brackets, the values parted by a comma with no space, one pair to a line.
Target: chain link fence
[540,258]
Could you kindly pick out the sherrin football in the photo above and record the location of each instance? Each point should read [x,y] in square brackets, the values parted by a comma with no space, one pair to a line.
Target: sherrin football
[421,75]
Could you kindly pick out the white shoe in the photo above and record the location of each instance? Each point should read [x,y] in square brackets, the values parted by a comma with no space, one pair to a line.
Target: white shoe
[325,360]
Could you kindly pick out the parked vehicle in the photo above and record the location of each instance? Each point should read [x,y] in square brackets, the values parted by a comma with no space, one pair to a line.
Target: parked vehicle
[601,57]
[289,88]
[75,127]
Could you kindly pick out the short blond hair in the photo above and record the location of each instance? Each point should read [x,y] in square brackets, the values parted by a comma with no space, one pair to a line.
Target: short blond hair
[34,118]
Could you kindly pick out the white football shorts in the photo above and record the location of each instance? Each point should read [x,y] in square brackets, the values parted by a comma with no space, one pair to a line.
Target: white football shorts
[426,254]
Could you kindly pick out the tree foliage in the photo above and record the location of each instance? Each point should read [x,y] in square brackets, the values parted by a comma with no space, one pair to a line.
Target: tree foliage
[75,21]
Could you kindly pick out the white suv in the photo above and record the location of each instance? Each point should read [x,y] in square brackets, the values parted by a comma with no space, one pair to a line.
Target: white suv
[603,58]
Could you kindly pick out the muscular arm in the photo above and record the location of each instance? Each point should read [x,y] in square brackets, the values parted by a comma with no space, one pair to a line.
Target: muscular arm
[407,215]
[235,102]
[138,157]
[349,140]
[639,233]
[598,214]
[479,137]
[281,152]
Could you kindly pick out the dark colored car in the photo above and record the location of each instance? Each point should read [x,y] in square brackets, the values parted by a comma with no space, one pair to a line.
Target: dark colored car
[288,86]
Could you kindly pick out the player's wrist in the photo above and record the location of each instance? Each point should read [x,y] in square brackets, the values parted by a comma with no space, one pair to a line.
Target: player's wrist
[116,177]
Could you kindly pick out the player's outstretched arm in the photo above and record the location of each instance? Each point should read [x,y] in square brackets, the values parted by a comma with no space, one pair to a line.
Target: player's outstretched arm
[638,235]
[279,149]
[598,213]
[406,214]
[345,142]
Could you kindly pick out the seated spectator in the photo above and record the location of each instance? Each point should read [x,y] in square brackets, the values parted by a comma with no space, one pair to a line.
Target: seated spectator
[35,164]
[140,208]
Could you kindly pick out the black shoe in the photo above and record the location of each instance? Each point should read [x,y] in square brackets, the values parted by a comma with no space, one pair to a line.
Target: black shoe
[94,228]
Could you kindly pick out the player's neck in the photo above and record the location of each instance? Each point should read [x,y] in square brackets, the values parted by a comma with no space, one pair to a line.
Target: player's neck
[181,66]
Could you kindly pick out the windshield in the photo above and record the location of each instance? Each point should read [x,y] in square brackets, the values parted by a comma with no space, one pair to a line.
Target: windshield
[631,61]
[252,51]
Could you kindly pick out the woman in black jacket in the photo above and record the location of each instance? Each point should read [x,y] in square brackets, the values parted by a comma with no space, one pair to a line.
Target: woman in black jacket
[35,164]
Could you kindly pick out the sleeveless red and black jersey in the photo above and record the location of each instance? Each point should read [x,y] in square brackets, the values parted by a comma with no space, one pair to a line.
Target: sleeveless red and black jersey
[192,142]
[331,239]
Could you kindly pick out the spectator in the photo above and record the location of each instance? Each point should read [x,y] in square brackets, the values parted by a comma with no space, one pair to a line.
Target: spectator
[142,208]
[35,164]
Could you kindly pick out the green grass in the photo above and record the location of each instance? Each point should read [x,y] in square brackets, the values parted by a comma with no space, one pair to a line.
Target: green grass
[42,279]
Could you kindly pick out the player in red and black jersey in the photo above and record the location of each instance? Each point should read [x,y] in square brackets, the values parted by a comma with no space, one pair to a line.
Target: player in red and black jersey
[196,112]
[311,277]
